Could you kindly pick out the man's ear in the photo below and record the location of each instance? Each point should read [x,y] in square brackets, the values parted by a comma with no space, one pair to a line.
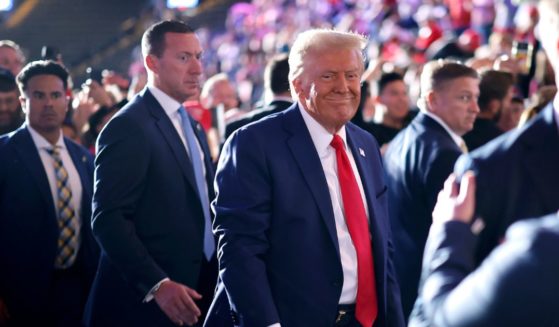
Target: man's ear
[23,103]
[297,86]
[495,106]
[431,101]
[152,63]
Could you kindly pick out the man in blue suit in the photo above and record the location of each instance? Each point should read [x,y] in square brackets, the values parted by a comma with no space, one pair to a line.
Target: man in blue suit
[289,252]
[421,157]
[47,252]
[516,285]
[517,173]
[151,215]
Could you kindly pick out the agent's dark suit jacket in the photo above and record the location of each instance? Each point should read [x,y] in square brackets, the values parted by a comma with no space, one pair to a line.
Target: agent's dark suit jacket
[516,285]
[418,161]
[257,114]
[278,247]
[29,225]
[517,177]
[147,215]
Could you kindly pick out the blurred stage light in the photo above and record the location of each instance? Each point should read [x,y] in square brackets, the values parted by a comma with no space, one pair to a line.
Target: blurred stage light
[6,5]
[181,4]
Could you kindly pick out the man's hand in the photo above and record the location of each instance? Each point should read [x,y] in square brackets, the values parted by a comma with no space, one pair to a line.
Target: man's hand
[454,204]
[177,301]
[4,314]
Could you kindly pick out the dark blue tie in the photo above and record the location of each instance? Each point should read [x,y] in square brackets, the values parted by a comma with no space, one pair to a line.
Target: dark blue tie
[197,164]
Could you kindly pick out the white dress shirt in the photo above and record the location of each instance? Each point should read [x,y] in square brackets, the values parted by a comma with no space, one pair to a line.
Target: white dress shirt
[74,180]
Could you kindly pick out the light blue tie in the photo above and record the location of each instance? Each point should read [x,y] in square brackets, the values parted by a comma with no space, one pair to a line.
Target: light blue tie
[209,244]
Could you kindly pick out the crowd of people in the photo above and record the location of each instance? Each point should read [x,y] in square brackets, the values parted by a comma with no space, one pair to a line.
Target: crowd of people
[366,175]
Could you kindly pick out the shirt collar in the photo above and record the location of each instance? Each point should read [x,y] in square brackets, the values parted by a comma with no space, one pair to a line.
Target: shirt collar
[42,143]
[169,105]
[319,135]
[455,137]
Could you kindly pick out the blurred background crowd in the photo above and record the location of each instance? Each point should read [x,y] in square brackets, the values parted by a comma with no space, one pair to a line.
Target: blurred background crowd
[240,38]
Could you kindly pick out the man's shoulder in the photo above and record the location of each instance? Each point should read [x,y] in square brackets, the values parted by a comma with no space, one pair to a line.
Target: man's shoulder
[269,123]
[427,138]
[7,140]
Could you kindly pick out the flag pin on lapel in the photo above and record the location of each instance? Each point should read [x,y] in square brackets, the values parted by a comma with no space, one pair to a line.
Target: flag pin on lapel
[84,159]
[361,152]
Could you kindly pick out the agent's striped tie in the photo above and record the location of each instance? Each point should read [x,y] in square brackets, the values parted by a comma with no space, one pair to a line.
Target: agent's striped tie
[68,224]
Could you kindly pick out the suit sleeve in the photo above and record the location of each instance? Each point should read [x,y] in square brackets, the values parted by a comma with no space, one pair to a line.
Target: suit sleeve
[243,216]
[395,315]
[120,172]
[515,286]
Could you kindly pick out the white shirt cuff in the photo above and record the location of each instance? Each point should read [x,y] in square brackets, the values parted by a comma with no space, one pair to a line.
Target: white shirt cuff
[154,289]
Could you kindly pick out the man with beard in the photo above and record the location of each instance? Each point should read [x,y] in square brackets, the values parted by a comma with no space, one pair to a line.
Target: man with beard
[11,116]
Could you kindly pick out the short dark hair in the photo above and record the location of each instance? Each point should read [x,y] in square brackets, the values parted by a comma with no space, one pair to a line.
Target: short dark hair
[276,74]
[386,79]
[41,67]
[153,40]
[7,81]
[494,85]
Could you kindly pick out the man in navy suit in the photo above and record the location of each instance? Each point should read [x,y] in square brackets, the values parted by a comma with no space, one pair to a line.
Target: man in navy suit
[517,173]
[151,216]
[516,285]
[288,251]
[47,252]
[421,157]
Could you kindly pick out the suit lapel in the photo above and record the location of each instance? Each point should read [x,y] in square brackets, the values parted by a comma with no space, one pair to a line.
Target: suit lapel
[363,162]
[542,158]
[26,149]
[170,135]
[306,157]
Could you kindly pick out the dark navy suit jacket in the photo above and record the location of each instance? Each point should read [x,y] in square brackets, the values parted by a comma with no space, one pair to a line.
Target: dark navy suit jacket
[147,215]
[417,162]
[516,285]
[517,177]
[29,226]
[278,248]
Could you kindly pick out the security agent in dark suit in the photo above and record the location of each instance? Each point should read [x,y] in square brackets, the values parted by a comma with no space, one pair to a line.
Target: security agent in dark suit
[47,252]
[421,157]
[516,285]
[276,90]
[153,178]
[517,173]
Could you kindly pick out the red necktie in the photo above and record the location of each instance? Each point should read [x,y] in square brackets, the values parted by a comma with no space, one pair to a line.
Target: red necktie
[366,308]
